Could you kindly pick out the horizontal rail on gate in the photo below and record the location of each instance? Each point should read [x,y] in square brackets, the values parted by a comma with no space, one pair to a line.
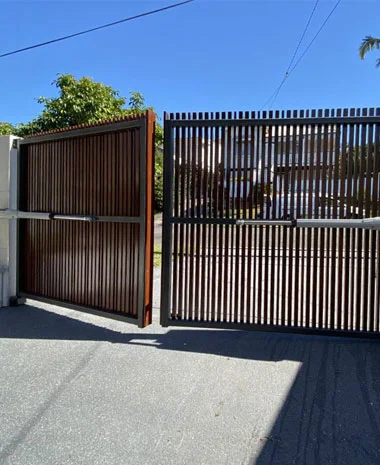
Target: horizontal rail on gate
[9,214]
[14,214]
[183,220]
[230,221]
[274,121]
[365,223]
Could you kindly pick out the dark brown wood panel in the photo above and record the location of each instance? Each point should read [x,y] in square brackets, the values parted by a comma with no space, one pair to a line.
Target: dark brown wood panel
[100,278]
[90,175]
[100,171]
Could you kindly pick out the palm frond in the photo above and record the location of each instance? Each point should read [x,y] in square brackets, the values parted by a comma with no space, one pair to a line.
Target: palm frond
[368,43]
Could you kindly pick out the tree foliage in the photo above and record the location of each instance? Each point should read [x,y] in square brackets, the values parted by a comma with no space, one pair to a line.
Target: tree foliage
[158,180]
[7,129]
[82,101]
[368,44]
[357,160]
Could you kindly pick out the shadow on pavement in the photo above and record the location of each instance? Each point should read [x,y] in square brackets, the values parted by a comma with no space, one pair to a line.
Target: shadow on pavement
[332,412]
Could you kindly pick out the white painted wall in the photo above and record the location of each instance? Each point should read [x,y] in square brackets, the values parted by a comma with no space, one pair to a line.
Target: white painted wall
[8,228]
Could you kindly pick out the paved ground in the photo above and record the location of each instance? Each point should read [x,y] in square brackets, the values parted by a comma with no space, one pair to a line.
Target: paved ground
[158,229]
[78,389]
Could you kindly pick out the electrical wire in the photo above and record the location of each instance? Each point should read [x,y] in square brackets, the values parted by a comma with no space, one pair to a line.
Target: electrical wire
[277,91]
[291,68]
[316,35]
[303,35]
[131,18]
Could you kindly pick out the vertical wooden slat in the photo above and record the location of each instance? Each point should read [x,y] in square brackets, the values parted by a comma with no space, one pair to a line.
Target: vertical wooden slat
[270,244]
[375,212]
[365,207]
[139,260]
[297,246]
[334,136]
[350,245]
[286,310]
[370,196]
[292,303]
[181,246]
[187,309]
[356,243]
[241,231]
[197,213]
[274,257]
[319,247]
[303,178]
[208,208]
[249,147]
[259,243]
[214,209]
[325,233]
[224,246]
[226,196]
[278,209]
[340,168]
[191,166]
[256,265]
[219,183]
[231,211]
[176,307]
[265,176]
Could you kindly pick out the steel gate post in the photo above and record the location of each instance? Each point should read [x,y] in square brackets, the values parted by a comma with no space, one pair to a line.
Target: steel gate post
[167,227]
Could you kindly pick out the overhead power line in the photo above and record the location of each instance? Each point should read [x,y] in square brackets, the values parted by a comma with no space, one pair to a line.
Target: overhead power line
[303,35]
[291,68]
[316,35]
[273,97]
[124,20]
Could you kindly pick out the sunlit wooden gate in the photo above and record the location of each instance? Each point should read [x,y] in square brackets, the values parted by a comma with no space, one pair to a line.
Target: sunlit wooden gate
[87,234]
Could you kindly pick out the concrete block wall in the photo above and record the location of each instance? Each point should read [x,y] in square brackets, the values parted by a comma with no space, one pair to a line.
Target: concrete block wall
[8,228]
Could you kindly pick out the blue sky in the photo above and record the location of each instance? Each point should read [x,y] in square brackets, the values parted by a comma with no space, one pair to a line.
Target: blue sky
[209,55]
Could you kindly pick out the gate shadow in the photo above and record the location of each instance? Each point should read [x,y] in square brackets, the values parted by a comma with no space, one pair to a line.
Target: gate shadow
[331,414]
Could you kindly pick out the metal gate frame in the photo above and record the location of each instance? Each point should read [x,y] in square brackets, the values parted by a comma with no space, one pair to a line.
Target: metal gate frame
[183,120]
[145,219]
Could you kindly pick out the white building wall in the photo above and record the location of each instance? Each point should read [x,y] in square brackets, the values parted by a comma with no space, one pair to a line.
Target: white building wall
[8,228]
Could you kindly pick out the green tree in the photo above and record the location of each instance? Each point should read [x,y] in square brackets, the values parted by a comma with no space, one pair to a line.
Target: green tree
[7,128]
[82,101]
[357,160]
[369,43]
[158,179]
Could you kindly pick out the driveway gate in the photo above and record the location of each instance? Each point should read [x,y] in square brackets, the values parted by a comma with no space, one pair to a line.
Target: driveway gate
[86,203]
[222,172]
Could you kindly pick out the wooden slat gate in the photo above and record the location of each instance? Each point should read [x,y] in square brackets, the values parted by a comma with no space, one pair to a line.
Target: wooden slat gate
[222,168]
[87,234]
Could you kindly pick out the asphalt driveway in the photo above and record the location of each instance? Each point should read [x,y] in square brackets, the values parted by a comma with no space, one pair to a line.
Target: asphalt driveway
[79,389]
